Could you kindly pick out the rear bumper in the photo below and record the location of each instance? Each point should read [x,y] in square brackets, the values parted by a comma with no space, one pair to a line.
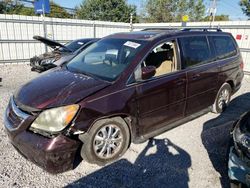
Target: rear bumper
[238,170]
[55,155]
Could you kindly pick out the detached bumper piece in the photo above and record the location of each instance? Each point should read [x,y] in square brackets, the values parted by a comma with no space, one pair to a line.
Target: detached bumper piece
[238,169]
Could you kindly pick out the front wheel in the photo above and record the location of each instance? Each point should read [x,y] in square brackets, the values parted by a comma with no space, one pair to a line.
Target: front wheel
[222,99]
[106,141]
[235,184]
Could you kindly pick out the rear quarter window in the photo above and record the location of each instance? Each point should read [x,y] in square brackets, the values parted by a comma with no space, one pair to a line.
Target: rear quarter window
[195,50]
[224,46]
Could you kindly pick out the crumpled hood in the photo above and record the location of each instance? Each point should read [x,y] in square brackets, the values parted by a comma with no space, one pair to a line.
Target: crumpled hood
[55,88]
[51,43]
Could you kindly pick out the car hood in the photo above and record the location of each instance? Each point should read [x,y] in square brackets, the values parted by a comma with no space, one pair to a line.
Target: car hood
[51,43]
[55,88]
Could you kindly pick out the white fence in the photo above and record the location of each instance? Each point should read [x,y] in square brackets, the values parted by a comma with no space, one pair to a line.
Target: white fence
[16,34]
[17,44]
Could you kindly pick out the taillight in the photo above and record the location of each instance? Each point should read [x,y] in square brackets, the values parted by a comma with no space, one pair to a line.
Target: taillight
[241,65]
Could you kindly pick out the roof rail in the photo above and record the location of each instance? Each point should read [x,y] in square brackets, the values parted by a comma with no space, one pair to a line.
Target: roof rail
[203,29]
[158,28]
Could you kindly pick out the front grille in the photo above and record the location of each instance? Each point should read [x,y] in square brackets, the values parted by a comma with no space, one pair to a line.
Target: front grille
[14,115]
[14,119]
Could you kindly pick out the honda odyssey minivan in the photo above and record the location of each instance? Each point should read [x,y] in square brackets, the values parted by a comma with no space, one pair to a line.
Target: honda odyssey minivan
[127,87]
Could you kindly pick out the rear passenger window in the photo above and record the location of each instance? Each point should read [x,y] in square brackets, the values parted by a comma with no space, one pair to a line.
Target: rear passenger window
[224,46]
[195,50]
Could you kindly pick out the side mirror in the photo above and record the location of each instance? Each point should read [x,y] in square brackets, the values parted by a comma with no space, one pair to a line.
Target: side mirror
[148,72]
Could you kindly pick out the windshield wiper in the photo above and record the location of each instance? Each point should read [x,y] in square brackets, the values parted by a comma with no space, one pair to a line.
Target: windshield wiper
[89,74]
[80,72]
[86,73]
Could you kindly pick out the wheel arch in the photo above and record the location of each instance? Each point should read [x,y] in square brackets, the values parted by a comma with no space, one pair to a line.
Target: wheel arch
[231,83]
[126,118]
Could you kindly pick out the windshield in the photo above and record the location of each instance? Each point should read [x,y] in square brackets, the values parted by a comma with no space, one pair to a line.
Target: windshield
[106,59]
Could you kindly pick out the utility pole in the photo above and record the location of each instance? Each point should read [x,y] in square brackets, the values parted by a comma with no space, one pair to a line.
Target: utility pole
[212,11]
[131,22]
[44,26]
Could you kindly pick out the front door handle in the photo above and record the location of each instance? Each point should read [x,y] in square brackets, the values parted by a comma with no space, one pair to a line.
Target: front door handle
[194,77]
[180,81]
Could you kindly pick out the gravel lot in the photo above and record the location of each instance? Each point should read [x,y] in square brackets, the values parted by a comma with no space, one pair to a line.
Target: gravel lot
[191,155]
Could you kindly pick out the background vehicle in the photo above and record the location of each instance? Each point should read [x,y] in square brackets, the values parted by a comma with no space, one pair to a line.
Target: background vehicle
[239,156]
[127,87]
[60,54]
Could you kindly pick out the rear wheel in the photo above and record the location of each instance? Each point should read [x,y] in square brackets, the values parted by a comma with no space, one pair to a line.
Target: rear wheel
[222,99]
[106,141]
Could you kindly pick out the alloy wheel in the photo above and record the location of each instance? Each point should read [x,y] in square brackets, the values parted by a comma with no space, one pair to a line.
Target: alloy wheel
[107,141]
[223,98]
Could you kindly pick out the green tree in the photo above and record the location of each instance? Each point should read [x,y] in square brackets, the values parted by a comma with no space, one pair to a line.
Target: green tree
[221,17]
[198,11]
[26,11]
[245,6]
[56,11]
[13,7]
[4,6]
[106,10]
[173,10]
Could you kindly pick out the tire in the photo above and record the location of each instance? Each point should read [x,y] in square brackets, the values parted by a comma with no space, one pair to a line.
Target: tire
[235,184]
[222,98]
[107,140]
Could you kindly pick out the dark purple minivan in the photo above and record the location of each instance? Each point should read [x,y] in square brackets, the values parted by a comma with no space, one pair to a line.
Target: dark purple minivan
[127,87]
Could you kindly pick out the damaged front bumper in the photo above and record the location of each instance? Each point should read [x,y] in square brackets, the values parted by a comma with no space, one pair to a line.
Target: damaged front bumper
[238,169]
[55,155]
[40,65]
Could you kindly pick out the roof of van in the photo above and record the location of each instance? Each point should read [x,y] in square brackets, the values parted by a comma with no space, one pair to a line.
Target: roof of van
[153,33]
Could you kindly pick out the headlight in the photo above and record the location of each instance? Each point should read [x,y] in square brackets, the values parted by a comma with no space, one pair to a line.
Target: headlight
[241,138]
[55,120]
[245,141]
[47,61]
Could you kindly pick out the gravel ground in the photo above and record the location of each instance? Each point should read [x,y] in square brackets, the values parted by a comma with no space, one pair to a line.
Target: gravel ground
[191,155]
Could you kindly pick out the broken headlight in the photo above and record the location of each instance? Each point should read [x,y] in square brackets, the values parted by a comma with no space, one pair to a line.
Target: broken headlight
[47,61]
[54,120]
